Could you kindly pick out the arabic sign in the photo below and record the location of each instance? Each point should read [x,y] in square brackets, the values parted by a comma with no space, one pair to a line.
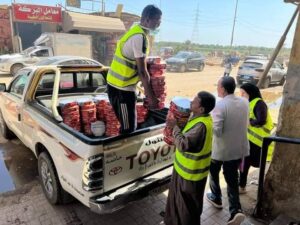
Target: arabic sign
[5,32]
[37,13]
[73,3]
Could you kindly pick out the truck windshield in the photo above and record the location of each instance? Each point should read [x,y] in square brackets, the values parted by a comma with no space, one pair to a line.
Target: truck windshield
[28,50]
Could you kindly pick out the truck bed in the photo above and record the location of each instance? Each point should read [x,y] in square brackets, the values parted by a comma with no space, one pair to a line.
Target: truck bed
[155,119]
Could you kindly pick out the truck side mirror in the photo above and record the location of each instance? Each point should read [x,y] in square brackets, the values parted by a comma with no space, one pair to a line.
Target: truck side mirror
[2,87]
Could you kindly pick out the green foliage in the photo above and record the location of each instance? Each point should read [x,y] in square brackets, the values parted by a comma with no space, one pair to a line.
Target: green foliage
[221,50]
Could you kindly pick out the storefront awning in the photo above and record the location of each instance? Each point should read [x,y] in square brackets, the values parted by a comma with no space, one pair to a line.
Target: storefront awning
[79,21]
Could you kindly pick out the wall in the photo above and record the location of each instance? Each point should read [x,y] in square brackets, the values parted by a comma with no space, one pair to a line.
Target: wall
[5,31]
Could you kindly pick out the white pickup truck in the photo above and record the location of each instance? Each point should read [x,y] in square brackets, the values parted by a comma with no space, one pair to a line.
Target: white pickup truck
[104,173]
[47,45]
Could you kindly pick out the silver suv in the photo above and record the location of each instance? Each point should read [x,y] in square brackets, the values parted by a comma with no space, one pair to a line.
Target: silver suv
[251,71]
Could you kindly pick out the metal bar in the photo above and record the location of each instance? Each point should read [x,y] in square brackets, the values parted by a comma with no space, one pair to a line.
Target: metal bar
[258,212]
[277,49]
[234,21]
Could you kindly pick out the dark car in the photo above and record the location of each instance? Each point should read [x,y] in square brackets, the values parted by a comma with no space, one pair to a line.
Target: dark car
[184,61]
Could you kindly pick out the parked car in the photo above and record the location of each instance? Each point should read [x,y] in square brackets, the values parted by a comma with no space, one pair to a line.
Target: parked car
[251,71]
[68,60]
[184,61]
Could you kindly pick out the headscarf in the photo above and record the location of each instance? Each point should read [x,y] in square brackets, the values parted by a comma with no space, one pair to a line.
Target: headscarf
[252,90]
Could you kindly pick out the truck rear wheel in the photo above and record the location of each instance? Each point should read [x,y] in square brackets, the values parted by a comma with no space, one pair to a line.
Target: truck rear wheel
[4,130]
[50,182]
[15,68]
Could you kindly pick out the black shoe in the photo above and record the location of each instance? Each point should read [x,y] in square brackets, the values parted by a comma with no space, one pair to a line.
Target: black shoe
[162,213]
[236,218]
[212,200]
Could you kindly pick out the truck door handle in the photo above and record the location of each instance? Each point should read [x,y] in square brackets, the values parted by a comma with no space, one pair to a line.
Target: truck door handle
[19,117]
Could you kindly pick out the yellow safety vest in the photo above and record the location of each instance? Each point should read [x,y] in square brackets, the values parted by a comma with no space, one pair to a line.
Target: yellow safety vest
[195,166]
[256,134]
[123,71]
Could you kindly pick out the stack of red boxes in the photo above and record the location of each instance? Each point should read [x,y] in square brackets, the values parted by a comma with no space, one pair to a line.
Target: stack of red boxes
[179,110]
[70,114]
[141,112]
[88,115]
[111,120]
[156,69]
[100,105]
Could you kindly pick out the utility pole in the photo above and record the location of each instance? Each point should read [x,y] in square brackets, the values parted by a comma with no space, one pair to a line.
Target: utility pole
[263,77]
[234,20]
[103,6]
[195,34]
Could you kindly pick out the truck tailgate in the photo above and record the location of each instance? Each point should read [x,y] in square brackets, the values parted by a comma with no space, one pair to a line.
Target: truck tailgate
[135,157]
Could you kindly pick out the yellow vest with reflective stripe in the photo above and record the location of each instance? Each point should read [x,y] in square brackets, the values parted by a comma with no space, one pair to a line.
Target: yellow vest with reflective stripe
[256,134]
[195,166]
[123,71]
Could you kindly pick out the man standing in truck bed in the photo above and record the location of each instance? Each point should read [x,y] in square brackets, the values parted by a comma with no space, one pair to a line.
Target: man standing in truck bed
[129,66]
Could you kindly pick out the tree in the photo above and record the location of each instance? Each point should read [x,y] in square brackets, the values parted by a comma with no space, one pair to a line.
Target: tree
[282,192]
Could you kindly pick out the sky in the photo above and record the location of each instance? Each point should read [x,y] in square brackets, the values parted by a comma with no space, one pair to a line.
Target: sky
[258,22]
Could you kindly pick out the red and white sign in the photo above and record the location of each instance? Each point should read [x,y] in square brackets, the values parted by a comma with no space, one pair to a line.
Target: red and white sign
[37,13]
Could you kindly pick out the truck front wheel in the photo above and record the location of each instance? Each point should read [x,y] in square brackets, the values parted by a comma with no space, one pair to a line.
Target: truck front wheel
[15,68]
[50,182]
[4,130]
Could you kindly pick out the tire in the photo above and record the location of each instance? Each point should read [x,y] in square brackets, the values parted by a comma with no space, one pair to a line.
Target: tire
[267,83]
[15,68]
[200,67]
[4,130]
[50,182]
[282,81]
[182,68]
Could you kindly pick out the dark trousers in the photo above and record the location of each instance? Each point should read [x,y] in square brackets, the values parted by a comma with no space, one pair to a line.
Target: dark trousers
[252,160]
[185,201]
[230,171]
[123,103]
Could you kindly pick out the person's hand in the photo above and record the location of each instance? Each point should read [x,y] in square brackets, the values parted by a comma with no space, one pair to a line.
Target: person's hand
[171,122]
